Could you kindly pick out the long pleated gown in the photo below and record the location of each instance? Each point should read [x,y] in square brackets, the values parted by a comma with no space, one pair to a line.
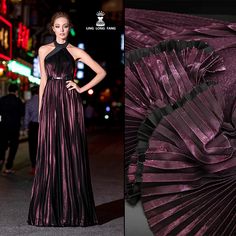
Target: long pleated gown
[62,191]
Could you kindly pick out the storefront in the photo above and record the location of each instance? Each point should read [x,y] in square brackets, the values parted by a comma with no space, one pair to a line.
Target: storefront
[5,51]
[12,68]
[14,71]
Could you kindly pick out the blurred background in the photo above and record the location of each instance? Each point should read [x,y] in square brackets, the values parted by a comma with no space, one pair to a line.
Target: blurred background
[24,27]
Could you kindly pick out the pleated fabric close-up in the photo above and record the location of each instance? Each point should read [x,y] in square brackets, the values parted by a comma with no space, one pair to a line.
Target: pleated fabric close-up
[180,122]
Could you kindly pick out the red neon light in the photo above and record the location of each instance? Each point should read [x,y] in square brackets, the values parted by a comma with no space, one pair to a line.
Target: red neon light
[6,21]
[23,36]
[7,57]
[19,36]
[3,9]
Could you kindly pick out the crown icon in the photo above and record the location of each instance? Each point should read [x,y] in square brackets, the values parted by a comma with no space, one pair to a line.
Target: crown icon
[100,13]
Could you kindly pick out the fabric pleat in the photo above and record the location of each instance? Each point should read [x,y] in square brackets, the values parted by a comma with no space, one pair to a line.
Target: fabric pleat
[146,28]
[179,148]
[62,191]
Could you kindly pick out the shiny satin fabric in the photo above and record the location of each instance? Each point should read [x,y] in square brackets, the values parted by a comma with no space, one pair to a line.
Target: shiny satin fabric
[62,191]
[183,124]
[147,28]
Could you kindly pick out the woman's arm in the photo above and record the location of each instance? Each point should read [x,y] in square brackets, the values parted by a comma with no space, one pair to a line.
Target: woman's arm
[86,59]
[43,80]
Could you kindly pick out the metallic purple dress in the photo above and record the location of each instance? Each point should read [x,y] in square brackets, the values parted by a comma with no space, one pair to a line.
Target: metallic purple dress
[62,192]
[180,122]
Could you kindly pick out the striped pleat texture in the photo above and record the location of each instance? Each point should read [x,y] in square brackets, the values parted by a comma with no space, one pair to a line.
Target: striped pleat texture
[62,192]
[146,28]
[188,185]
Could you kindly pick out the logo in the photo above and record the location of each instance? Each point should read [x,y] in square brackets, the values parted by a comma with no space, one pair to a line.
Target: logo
[100,24]
[100,15]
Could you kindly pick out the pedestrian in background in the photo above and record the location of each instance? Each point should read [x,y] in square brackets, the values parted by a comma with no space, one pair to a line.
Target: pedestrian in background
[31,125]
[11,112]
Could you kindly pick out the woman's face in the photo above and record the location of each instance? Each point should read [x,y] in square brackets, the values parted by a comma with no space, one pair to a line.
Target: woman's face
[61,28]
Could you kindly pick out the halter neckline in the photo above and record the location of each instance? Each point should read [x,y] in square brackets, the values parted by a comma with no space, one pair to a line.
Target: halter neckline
[62,45]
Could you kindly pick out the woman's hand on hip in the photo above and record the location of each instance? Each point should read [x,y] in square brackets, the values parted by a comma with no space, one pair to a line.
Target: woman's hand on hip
[72,85]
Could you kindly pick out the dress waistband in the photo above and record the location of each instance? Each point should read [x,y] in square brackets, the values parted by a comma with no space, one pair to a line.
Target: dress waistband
[60,78]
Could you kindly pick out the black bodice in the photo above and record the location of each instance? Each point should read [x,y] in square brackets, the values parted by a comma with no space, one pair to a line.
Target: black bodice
[59,63]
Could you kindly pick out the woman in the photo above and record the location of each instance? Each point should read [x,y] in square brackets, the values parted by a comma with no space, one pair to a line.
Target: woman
[62,192]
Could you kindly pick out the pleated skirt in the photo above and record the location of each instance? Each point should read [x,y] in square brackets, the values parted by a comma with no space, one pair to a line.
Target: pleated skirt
[62,190]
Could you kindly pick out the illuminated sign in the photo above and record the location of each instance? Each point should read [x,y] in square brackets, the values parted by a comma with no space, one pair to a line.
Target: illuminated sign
[3,7]
[21,69]
[23,36]
[33,79]
[36,70]
[5,39]
[80,65]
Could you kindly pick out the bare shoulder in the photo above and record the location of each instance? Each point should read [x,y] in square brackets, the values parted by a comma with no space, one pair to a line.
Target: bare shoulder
[76,52]
[74,48]
[45,49]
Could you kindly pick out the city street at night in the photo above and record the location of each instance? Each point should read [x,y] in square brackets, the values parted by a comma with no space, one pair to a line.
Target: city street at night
[106,164]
